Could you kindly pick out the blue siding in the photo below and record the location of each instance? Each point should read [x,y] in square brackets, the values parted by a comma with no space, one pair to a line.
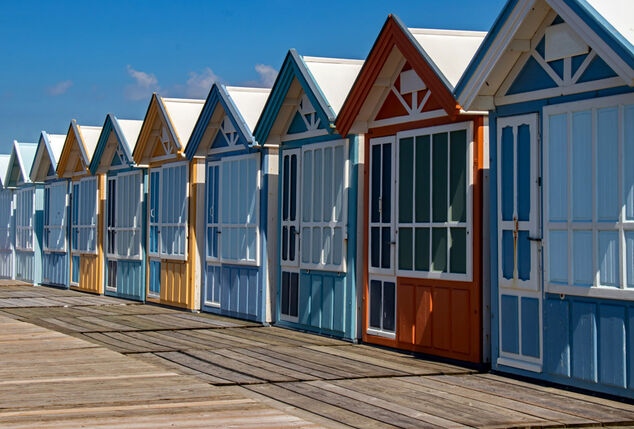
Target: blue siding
[240,290]
[510,324]
[55,269]
[530,327]
[130,280]
[155,277]
[6,265]
[24,266]
[612,345]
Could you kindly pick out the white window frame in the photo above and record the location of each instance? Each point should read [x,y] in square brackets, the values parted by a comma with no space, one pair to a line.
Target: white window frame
[383,332]
[6,196]
[116,228]
[380,141]
[468,276]
[343,223]
[621,226]
[161,224]
[288,223]
[208,258]
[25,229]
[47,226]
[223,226]
[80,226]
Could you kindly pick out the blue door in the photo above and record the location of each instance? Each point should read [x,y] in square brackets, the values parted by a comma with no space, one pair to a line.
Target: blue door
[519,243]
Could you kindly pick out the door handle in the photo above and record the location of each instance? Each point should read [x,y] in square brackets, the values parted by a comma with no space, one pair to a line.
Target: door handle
[534,239]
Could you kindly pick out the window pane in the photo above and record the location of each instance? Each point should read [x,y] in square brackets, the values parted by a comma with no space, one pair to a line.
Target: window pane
[558,168]
[307,188]
[582,258]
[458,250]
[284,243]
[558,261]
[339,175]
[582,166]
[293,196]
[317,185]
[326,245]
[609,258]
[294,295]
[291,244]
[286,284]
[523,172]
[389,300]
[422,249]
[439,177]
[607,164]
[375,246]
[316,245]
[629,246]
[375,179]
[386,191]
[337,246]
[285,188]
[327,173]
[422,179]
[306,244]
[386,247]
[628,154]
[458,172]
[405,179]
[405,248]
[375,304]
[439,249]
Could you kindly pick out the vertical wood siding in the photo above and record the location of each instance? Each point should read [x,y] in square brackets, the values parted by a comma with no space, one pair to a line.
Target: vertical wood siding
[24,266]
[55,269]
[6,265]
[239,289]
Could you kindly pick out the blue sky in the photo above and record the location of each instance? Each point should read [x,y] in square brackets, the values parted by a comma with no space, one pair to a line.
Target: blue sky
[64,60]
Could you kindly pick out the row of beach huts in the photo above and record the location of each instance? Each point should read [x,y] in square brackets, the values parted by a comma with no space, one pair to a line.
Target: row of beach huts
[461,194]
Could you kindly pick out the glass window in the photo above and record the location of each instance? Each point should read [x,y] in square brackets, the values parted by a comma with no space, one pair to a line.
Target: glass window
[6,218]
[84,227]
[25,212]
[432,202]
[124,216]
[382,314]
[55,217]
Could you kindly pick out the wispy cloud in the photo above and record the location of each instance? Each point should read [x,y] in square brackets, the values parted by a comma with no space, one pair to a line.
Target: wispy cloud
[144,84]
[59,88]
[199,84]
[267,76]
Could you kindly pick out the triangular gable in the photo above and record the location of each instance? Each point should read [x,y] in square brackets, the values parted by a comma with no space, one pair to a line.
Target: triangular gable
[408,76]
[308,87]
[116,144]
[20,162]
[4,167]
[79,147]
[592,49]
[227,119]
[167,127]
[49,151]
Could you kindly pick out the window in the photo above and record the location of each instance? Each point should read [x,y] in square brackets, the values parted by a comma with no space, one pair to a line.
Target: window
[323,213]
[382,314]
[239,208]
[84,227]
[290,220]
[290,295]
[55,217]
[124,216]
[381,205]
[6,218]
[434,202]
[25,212]
[169,193]
[589,197]
[213,211]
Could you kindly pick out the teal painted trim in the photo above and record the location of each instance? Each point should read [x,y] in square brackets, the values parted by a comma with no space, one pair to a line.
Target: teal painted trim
[67,232]
[218,95]
[111,124]
[292,144]
[292,67]
[353,198]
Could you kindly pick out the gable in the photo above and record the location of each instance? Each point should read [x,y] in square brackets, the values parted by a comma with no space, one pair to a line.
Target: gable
[305,119]
[559,61]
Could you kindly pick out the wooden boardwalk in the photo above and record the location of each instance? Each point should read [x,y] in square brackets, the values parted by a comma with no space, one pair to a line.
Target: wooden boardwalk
[69,359]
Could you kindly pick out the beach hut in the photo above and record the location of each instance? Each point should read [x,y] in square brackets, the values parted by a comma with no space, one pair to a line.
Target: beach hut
[422,288]
[175,220]
[240,215]
[29,202]
[557,78]
[318,188]
[124,210]
[7,223]
[86,241]
[55,254]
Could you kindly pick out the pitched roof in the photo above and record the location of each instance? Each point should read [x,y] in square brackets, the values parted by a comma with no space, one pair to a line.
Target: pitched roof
[20,163]
[126,132]
[49,149]
[242,105]
[183,114]
[605,25]
[86,138]
[325,81]
[4,166]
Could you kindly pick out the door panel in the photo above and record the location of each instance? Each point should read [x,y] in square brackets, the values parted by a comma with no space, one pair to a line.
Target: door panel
[519,281]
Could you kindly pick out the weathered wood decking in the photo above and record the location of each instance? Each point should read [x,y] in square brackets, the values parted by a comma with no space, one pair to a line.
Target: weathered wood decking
[202,370]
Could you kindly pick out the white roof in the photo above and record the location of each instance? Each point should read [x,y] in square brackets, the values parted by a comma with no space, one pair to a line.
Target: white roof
[619,13]
[90,136]
[130,129]
[183,113]
[334,76]
[57,145]
[249,101]
[450,50]
[4,166]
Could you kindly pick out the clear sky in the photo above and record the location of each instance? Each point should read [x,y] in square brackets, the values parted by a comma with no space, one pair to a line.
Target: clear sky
[64,60]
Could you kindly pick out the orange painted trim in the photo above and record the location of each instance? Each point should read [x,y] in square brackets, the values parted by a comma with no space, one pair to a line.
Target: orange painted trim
[392,35]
